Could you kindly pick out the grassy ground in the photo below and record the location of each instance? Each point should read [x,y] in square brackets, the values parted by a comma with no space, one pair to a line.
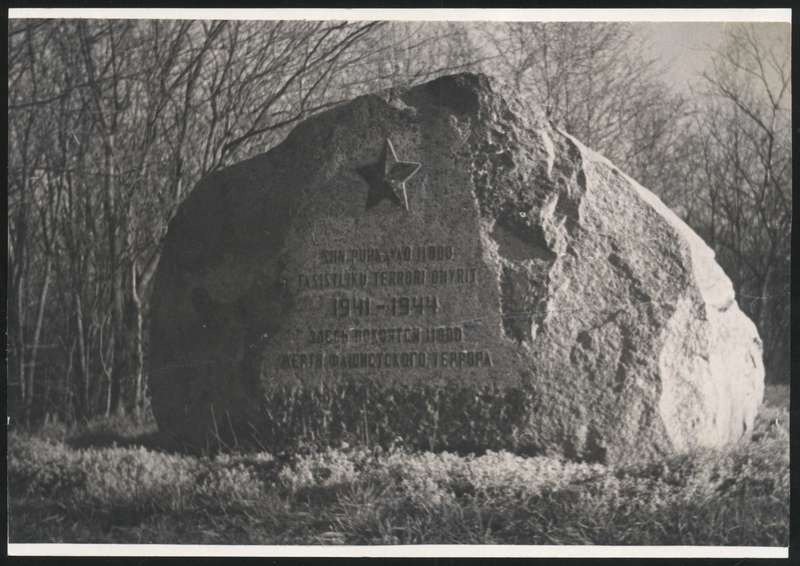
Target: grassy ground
[112,483]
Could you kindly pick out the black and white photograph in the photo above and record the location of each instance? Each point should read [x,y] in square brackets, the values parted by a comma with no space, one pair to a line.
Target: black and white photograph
[414,282]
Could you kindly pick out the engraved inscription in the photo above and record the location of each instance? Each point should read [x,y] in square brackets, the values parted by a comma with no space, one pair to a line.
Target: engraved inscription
[355,338]
[394,278]
[344,307]
[385,360]
[395,254]
[396,335]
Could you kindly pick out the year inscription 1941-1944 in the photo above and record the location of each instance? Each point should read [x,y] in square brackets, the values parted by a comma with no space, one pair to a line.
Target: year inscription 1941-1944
[384,311]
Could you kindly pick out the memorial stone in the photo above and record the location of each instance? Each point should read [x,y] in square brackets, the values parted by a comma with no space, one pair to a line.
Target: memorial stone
[439,266]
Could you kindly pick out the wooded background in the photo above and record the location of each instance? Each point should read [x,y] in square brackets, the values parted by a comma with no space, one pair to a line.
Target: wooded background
[112,122]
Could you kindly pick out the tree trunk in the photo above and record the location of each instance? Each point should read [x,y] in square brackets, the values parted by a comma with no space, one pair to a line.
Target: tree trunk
[117,278]
[135,351]
[82,406]
[24,397]
[67,399]
[37,333]
[764,319]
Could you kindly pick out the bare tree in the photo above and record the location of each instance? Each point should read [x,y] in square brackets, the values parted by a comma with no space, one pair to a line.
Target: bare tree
[27,81]
[594,80]
[110,123]
[741,197]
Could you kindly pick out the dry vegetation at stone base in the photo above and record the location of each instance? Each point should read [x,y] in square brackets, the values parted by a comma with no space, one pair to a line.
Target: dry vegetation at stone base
[62,490]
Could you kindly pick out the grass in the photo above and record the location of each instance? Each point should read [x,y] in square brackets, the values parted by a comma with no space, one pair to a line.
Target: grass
[108,483]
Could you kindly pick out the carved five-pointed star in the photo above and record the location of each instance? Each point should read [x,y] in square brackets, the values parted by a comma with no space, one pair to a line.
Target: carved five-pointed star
[387,177]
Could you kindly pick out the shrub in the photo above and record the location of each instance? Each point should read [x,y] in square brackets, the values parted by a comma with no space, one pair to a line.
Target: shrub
[136,480]
[363,495]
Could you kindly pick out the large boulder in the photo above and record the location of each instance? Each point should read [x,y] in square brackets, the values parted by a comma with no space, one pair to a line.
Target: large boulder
[440,265]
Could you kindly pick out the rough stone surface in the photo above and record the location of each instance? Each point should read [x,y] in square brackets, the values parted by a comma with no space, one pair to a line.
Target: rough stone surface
[531,297]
